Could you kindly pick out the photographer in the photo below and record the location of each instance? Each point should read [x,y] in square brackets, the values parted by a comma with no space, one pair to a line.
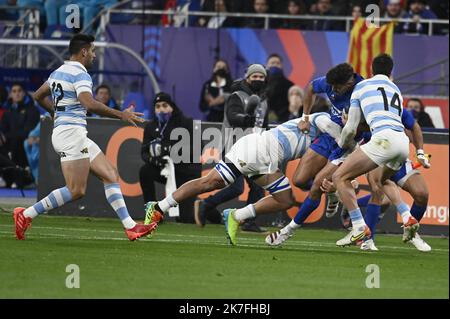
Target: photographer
[157,144]
[246,109]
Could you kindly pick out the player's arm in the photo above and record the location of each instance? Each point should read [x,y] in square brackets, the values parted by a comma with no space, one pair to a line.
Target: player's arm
[41,97]
[326,125]
[416,137]
[351,127]
[87,100]
[418,143]
[308,101]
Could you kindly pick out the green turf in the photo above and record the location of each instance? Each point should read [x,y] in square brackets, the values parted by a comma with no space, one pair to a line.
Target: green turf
[183,261]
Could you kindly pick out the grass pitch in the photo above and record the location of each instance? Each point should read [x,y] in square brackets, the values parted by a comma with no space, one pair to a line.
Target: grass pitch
[184,261]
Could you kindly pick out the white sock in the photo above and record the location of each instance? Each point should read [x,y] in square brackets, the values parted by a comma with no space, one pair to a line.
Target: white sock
[244,213]
[404,211]
[291,227]
[167,203]
[30,212]
[128,223]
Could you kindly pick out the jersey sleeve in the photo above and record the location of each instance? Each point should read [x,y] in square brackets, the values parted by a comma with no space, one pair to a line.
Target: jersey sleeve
[324,123]
[319,85]
[407,119]
[82,83]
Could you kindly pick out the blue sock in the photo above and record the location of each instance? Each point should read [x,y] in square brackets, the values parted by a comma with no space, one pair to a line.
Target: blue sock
[115,199]
[372,217]
[418,211]
[55,199]
[364,201]
[305,210]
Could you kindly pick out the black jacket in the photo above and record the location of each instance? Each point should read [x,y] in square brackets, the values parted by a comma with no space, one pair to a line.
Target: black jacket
[152,131]
[424,119]
[215,113]
[19,120]
[277,93]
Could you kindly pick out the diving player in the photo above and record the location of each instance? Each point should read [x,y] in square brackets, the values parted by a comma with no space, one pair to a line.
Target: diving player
[263,158]
[70,87]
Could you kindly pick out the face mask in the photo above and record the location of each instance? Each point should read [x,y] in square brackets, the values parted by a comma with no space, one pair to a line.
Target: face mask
[163,117]
[275,70]
[221,72]
[257,86]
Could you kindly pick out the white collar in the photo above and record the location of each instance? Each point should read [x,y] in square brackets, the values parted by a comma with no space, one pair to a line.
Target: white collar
[381,76]
[77,64]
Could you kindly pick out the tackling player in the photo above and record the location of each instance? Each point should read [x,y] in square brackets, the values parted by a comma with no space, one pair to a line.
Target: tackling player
[70,87]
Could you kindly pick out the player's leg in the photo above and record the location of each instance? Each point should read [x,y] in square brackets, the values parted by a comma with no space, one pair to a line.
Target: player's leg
[103,170]
[154,211]
[309,166]
[357,164]
[416,186]
[280,198]
[71,143]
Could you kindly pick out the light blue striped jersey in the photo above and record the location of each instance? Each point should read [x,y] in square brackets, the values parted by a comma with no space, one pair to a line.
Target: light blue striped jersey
[294,143]
[66,83]
[381,103]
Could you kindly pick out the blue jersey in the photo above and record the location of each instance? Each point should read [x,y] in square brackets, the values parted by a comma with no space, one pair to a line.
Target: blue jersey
[339,102]
[66,83]
[380,101]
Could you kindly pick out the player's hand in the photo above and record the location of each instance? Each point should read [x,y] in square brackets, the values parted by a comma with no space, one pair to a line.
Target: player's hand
[128,115]
[423,159]
[304,126]
[327,186]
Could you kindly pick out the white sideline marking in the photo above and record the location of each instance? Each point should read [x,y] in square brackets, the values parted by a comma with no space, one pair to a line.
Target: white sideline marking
[219,240]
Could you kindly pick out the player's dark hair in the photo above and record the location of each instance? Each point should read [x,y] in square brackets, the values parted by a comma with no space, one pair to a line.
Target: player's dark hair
[340,74]
[275,55]
[80,41]
[382,64]
[103,86]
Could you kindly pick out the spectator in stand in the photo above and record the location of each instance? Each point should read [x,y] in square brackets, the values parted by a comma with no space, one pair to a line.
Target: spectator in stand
[394,10]
[260,7]
[215,92]
[356,11]
[417,108]
[3,98]
[220,6]
[31,146]
[324,8]
[295,97]
[418,11]
[294,8]
[103,95]
[20,117]
[277,88]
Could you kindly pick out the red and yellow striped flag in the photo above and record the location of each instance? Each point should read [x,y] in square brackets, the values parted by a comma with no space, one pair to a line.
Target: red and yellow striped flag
[366,43]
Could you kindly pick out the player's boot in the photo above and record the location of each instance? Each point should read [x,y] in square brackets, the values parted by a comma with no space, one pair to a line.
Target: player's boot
[231,225]
[368,244]
[354,236]
[140,230]
[278,237]
[21,222]
[152,215]
[420,244]
[332,204]
[410,229]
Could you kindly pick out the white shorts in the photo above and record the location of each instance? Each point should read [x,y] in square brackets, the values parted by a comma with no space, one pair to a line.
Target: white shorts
[388,148]
[71,143]
[255,154]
